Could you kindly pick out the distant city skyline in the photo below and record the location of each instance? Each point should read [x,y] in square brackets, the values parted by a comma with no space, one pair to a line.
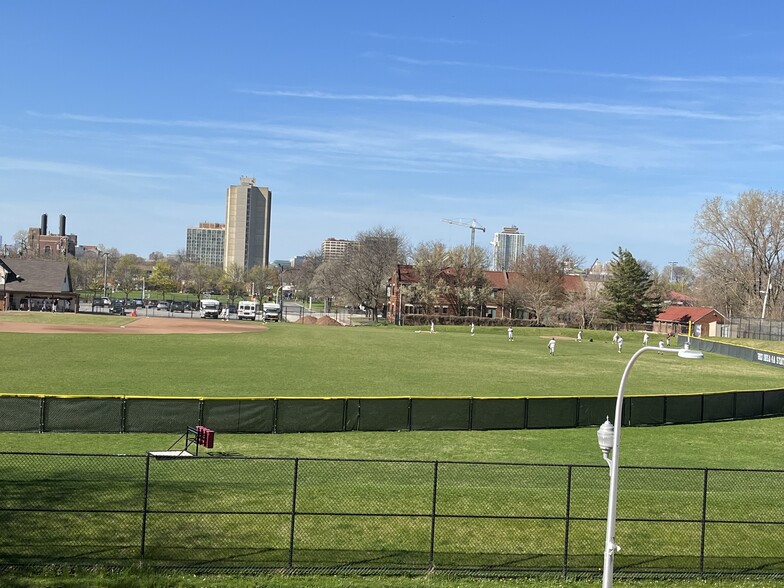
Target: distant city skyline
[588,125]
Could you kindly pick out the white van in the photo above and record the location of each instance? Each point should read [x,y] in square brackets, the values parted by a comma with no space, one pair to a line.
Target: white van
[247,309]
[209,308]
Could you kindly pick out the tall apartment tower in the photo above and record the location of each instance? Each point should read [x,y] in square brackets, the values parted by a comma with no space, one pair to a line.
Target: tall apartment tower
[508,245]
[206,243]
[335,248]
[248,209]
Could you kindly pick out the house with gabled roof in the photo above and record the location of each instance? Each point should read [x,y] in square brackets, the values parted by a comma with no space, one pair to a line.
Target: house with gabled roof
[676,319]
[404,276]
[41,284]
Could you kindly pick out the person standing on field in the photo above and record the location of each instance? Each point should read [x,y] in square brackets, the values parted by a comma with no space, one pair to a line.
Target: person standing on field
[645,339]
[620,344]
[580,336]
[510,334]
[551,346]
[472,329]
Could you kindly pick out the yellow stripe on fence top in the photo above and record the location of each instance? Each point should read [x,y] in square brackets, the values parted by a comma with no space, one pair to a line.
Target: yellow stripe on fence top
[134,397]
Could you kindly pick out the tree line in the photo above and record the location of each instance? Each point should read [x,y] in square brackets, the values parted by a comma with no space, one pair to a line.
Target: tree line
[737,256]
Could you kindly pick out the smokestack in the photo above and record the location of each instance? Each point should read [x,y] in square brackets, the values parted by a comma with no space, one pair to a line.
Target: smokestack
[62,225]
[43,224]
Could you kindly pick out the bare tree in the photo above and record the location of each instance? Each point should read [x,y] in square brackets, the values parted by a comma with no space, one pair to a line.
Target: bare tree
[301,276]
[429,261]
[739,250]
[540,288]
[327,282]
[367,266]
[464,282]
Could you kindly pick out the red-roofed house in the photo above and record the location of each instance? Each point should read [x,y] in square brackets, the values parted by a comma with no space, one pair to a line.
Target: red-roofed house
[676,319]
[496,307]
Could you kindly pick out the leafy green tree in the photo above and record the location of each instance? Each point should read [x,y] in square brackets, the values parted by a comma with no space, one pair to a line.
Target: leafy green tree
[263,279]
[205,278]
[629,291]
[232,282]
[162,278]
[126,273]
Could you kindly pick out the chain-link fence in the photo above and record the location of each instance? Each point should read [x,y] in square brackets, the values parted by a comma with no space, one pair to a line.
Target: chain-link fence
[752,328]
[224,513]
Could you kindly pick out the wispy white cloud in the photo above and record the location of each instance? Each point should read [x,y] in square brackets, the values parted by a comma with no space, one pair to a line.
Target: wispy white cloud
[696,79]
[73,169]
[589,107]
[376,146]
[408,39]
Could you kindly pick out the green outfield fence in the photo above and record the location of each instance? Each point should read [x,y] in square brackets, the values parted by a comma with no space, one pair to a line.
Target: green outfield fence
[136,414]
[221,514]
[141,414]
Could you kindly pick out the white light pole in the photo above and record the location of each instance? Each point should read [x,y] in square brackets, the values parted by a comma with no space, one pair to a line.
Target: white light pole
[765,300]
[105,260]
[610,442]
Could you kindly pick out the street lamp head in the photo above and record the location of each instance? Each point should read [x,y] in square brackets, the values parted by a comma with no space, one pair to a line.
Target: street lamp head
[687,353]
[605,435]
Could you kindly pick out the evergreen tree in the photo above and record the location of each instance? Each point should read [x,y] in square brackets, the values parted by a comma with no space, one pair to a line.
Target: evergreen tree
[628,292]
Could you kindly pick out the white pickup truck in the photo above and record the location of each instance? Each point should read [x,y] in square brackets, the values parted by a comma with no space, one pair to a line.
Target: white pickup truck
[271,311]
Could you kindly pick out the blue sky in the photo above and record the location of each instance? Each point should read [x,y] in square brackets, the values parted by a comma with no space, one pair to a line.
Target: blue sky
[595,125]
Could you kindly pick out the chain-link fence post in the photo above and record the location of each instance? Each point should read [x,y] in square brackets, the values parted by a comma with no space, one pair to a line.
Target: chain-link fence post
[144,504]
[293,512]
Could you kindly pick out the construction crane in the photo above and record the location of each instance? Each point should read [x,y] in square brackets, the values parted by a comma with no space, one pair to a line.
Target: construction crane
[470,223]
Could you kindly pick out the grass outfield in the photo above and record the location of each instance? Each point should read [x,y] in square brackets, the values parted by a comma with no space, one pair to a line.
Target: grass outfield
[307,360]
[133,579]
[317,361]
[753,444]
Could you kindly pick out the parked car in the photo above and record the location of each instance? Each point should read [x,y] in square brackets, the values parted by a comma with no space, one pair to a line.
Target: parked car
[102,301]
[117,307]
[152,303]
[178,306]
[163,305]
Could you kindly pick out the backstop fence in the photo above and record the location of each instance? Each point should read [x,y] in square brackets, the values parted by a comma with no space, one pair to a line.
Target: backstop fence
[219,513]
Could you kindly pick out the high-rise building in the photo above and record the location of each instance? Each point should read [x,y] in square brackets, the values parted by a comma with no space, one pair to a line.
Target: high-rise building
[508,245]
[205,243]
[248,209]
[335,248]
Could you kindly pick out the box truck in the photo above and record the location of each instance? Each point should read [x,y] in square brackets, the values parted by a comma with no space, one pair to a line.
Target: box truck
[247,309]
